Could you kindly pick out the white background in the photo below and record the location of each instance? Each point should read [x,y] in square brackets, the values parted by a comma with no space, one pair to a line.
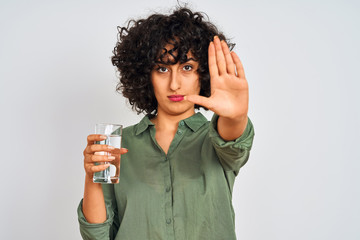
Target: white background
[301,60]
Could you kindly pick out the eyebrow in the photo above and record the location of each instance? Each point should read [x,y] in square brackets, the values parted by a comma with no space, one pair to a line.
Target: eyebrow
[169,64]
[191,59]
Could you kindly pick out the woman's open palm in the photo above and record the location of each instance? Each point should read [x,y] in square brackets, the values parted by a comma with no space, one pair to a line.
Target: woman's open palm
[229,88]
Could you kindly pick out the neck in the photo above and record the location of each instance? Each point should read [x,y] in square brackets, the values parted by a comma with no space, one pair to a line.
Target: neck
[169,122]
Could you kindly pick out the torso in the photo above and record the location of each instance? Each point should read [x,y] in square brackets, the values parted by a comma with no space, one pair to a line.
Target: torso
[188,185]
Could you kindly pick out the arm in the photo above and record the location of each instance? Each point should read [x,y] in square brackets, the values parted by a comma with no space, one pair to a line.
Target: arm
[97,209]
[93,206]
[232,154]
[105,230]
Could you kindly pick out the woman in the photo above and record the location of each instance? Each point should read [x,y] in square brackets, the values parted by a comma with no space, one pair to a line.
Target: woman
[179,169]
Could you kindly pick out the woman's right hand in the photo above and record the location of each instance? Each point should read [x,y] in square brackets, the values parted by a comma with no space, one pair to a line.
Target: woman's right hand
[93,153]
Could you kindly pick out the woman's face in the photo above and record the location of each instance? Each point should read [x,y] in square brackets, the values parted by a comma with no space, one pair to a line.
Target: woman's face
[172,82]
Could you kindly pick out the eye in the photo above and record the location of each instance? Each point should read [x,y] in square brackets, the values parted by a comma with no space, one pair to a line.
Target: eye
[187,68]
[162,69]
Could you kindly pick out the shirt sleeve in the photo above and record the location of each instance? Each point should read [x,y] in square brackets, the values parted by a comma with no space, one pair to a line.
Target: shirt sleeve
[101,231]
[232,154]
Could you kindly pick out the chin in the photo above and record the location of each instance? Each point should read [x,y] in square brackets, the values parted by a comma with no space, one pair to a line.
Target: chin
[179,110]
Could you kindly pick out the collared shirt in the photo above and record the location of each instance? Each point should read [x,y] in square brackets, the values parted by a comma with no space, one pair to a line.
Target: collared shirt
[183,195]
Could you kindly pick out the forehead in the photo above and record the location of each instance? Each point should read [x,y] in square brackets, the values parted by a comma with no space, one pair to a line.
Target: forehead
[169,54]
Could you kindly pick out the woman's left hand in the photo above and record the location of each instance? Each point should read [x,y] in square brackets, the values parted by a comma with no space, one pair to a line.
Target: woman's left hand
[229,88]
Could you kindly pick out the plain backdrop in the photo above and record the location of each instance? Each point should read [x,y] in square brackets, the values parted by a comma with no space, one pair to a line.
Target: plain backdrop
[301,60]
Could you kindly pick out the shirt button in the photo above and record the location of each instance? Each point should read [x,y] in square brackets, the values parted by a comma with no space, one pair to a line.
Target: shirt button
[179,132]
[168,189]
[168,221]
[181,123]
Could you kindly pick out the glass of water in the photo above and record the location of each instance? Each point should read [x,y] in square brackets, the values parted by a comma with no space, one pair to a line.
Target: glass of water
[113,133]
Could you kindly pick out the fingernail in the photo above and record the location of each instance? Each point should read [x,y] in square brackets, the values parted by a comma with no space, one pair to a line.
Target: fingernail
[185,97]
[103,137]
[111,157]
[111,147]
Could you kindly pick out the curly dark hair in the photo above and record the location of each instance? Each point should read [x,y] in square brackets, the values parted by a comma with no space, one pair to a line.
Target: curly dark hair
[141,46]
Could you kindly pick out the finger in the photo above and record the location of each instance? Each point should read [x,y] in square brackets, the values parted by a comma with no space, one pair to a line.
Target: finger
[98,148]
[102,158]
[119,151]
[200,100]
[95,137]
[99,168]
[213,69]
[230,66]
[220,58]
[239,67]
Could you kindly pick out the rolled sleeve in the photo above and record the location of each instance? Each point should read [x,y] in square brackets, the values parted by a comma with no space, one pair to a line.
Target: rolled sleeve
[232,154]
[92,231]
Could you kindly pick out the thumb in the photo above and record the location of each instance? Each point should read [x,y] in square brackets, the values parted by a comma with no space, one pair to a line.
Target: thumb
[199,100]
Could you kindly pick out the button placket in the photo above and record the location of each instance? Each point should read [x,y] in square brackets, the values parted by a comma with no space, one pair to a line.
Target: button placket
[168,197]
[169,218]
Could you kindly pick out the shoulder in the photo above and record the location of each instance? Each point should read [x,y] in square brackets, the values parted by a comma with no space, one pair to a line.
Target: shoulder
[129,130]
[138,128]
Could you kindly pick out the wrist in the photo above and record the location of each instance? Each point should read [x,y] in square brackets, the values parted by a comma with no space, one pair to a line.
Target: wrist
[230,128]
[234,120]
[89,178]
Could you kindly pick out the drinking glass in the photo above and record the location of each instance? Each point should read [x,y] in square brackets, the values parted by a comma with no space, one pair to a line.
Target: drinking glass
[113,133]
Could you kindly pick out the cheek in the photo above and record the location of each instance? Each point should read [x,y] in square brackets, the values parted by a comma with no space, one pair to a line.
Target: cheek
[197,86]
[194,84]
[155,84]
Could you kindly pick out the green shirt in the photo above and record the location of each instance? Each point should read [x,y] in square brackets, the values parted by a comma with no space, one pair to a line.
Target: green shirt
[184,194]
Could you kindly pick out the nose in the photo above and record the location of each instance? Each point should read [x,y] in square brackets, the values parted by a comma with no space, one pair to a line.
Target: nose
[175,81]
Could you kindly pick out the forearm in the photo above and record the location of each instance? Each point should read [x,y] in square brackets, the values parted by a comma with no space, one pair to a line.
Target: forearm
[230,129]
[93,206]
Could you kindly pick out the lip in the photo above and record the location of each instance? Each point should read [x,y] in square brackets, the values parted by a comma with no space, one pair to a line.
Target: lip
[176,98]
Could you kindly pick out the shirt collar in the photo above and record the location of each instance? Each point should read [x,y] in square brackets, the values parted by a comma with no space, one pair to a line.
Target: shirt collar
[194,123]
[143,125]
